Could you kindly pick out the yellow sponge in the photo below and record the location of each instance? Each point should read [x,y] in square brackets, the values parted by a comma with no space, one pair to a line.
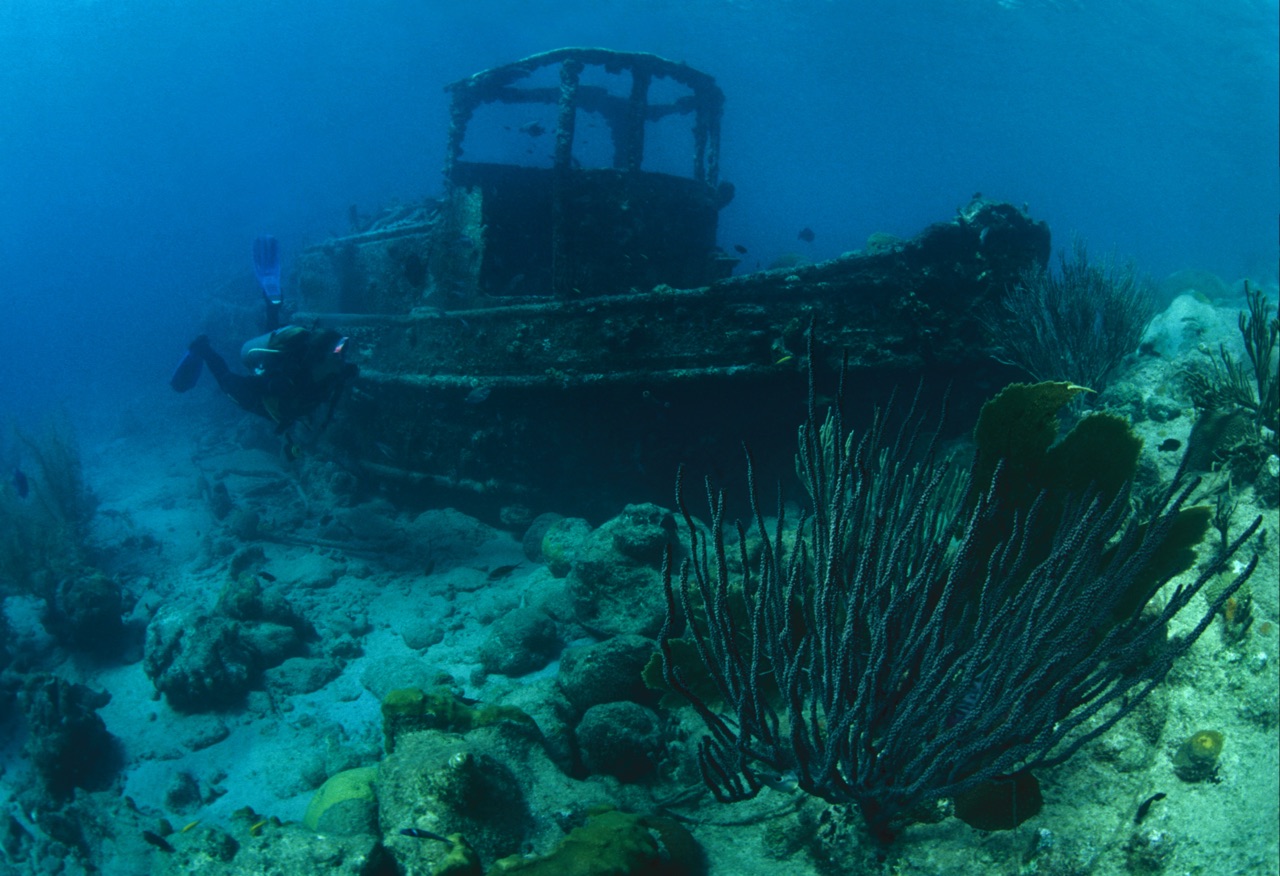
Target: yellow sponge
[346,803]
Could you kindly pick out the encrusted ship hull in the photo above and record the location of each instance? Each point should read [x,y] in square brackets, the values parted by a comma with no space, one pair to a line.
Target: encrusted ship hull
[560,336]
[581,404]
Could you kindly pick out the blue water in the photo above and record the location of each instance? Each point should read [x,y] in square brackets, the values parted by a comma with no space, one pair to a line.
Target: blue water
[144,144]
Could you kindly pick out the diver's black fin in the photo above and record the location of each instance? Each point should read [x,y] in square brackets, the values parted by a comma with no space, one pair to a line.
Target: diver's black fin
[187,373]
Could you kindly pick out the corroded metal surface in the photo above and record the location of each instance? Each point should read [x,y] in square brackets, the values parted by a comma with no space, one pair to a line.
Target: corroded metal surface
[580,404]
[626,115]
[565,220]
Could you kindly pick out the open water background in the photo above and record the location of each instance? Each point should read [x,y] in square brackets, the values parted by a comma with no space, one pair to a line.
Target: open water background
[143,144]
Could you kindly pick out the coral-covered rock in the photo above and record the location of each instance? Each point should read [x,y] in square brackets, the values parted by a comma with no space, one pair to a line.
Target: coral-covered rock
[615,581]
[521,641]
[607,672]
[200,662]
[302,675]
[67,743]
[561,542]
[620,740]
[269,643]
[84,612]
[205,661]
[445,784]
[642,532]
[245,599]
[421,632]
[406,711]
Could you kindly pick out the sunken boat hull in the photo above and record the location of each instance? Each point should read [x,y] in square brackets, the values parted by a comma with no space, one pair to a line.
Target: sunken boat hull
[556,335]
[584,403]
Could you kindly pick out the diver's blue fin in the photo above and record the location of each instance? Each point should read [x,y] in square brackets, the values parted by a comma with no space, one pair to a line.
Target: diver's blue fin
[187,373]
[266,266]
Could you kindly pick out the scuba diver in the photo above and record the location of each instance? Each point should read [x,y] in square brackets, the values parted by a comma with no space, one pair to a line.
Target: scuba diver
[293,370]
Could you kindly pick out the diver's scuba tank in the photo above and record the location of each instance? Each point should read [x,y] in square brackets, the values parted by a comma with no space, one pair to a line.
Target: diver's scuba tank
[257,353]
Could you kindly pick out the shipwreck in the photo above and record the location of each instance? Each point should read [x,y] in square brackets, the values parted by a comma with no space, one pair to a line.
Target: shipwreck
[561,331]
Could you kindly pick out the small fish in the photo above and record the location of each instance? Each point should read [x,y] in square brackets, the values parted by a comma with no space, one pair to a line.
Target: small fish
[20,483]
[158,841]
[1145,806]
[502,571]
[533,129]
[385,449]
[784,360]
[267,576]
[969,701]
[739,249]
[478,395]
[1169,445]
[806,234]
[419,833]
[255,829]
[785,782]
[189,826]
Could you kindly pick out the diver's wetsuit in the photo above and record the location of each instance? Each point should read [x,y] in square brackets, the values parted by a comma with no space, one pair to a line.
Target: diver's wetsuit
[289,390]
[247,390]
